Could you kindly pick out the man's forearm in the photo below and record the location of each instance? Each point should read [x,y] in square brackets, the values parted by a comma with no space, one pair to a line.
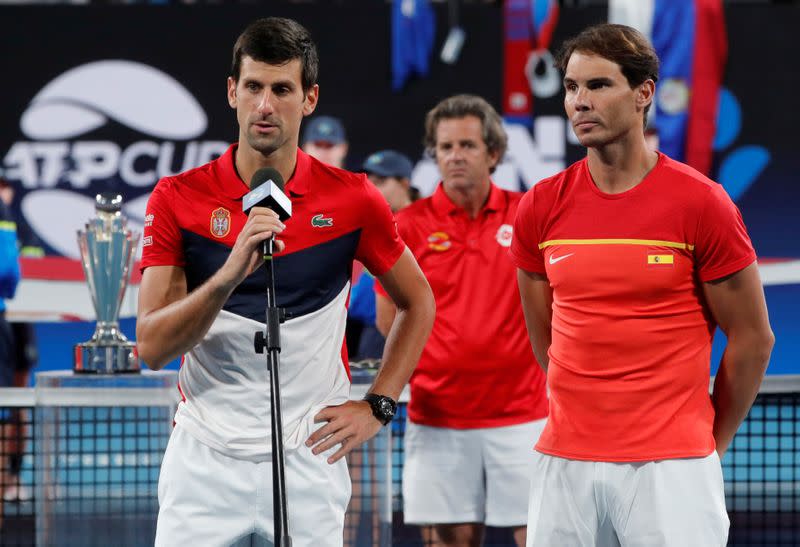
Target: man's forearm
[736,385]
[171,331]
[384,314]
[540,341]
[537,307]
[404,344]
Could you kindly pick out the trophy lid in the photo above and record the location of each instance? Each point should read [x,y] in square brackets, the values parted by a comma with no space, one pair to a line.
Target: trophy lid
[108,202]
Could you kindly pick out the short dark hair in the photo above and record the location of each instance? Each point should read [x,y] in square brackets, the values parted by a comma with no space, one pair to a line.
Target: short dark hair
[621,44]
[277,41]
[461,106]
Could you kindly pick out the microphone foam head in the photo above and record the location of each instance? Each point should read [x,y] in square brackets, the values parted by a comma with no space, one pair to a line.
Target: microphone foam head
[263,175]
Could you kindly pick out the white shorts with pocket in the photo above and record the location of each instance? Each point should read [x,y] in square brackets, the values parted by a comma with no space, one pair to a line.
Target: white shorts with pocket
[468,475]
[208,499]
[664,503]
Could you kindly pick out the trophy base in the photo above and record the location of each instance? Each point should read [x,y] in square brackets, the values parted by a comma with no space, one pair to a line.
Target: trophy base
[93,358]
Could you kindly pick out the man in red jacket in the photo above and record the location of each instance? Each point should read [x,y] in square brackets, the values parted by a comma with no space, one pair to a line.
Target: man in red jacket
[478,400]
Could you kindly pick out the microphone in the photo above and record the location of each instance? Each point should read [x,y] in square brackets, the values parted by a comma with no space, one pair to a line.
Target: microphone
[267,191]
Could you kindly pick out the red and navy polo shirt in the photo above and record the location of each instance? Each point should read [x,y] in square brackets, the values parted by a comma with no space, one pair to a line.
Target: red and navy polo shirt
[192,221]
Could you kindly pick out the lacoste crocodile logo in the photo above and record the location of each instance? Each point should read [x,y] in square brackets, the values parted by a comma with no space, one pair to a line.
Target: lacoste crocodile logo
[319,221]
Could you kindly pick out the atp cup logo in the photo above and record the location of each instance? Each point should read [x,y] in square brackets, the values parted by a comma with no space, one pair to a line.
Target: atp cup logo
[85,130]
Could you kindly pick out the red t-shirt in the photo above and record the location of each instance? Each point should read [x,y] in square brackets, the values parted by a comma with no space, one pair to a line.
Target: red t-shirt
[477,369]
[631,332]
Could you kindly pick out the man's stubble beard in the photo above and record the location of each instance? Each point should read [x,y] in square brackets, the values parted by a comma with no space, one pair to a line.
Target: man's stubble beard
[464,184]
[266,145]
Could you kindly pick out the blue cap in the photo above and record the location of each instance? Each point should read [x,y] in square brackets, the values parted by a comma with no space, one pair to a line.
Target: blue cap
[389,163]
[324,129]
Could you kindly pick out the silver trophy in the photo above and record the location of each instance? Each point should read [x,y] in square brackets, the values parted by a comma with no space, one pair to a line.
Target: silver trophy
[107,248]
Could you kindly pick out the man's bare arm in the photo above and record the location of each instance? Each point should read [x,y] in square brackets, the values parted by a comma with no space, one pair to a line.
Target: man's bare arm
[385,311]
[409,290]
[169,321]
[352,423]
[537,305]
[737,303]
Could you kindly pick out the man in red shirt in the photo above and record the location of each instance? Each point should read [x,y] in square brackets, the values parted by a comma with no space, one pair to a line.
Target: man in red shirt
[202,297]
[628,260]
[478,397]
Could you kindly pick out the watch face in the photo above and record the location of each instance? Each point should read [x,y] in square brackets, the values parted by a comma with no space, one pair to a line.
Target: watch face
[386,407]
[383,408]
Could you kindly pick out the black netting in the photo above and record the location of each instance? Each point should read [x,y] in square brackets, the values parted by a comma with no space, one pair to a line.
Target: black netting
[761,471]
[101,485]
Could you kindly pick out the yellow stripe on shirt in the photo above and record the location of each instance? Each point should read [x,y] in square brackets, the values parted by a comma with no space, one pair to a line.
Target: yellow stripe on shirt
[648,242]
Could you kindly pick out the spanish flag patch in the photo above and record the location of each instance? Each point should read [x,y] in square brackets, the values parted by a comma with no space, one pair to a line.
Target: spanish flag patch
[660,259]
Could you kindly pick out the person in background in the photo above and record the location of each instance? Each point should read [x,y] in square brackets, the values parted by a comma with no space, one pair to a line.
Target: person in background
[478,398]
[325,139]
[390,172]
[9,278]
[26,354]
[17,432]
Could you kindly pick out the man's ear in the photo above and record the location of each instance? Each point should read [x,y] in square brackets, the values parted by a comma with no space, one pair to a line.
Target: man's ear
[232,92]
[646,94]
[311,99]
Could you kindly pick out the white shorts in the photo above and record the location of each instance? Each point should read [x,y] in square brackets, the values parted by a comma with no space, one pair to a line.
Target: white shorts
[664,503]
[468,475]
[209,499]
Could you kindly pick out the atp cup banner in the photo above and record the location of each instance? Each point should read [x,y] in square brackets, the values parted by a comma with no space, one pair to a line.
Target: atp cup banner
[60,161]
[105,124]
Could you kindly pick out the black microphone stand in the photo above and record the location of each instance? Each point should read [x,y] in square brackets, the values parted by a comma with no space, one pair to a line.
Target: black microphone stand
[271,340]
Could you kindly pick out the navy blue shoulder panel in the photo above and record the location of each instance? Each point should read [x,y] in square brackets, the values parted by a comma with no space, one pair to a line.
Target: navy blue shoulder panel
[305,281]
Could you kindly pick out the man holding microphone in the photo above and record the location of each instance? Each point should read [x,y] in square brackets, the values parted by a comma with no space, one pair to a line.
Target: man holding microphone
[202,297]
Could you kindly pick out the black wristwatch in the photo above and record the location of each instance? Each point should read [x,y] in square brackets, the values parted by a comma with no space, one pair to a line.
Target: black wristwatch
[383,407]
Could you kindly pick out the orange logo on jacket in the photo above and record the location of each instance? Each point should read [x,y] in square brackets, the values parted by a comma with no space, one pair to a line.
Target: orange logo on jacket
[220,222]
[439,241]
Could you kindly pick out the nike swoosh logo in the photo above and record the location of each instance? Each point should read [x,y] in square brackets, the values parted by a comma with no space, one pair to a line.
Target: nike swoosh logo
[560,258]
